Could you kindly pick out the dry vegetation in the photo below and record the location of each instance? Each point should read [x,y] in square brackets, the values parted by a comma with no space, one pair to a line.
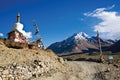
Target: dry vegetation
[90,57]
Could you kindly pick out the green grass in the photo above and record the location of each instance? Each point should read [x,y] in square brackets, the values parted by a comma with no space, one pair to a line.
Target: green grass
[93,56]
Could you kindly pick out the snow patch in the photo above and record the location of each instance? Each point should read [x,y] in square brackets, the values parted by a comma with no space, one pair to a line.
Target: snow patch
[81,36]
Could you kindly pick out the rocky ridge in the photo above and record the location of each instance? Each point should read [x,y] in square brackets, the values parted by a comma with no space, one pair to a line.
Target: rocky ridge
[19,64]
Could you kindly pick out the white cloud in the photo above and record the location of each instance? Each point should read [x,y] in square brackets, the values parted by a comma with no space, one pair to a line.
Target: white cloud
[1,34]
[109,27]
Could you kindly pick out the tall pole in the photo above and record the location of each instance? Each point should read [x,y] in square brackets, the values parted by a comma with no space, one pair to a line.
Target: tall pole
[99,45]
[39,41]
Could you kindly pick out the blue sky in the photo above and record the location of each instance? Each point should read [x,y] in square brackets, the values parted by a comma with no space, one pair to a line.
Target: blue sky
[57,19]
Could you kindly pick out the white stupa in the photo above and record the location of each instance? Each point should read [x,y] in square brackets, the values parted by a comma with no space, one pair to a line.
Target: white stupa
[17,34]
[19,26]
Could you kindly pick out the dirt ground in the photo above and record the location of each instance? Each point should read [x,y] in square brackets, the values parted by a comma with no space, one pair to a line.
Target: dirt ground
[37,64]
[82,70]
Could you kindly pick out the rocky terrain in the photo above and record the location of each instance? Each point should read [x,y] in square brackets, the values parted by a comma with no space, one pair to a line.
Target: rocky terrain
[37,64]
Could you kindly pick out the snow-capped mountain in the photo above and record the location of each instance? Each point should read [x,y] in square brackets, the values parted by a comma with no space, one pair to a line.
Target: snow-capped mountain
[79,42]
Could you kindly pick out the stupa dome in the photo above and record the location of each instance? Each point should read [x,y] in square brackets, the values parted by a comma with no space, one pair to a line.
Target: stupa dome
[18,26]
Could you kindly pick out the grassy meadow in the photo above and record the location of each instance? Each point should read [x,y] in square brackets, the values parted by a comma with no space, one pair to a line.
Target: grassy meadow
[91,57]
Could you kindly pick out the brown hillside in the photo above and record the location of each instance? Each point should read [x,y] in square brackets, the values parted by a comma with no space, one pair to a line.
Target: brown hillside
[37,64]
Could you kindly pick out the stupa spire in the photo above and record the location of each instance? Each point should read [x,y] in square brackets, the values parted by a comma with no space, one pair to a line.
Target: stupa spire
[18,17]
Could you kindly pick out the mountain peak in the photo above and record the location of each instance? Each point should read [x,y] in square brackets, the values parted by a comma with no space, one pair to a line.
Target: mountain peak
[80,35]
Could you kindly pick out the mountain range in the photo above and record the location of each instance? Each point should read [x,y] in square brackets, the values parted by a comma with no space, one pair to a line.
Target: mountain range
[115,47]
[80,42]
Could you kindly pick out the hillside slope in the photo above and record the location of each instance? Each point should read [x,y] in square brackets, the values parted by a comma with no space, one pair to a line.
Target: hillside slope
[37,64]
[115,47]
